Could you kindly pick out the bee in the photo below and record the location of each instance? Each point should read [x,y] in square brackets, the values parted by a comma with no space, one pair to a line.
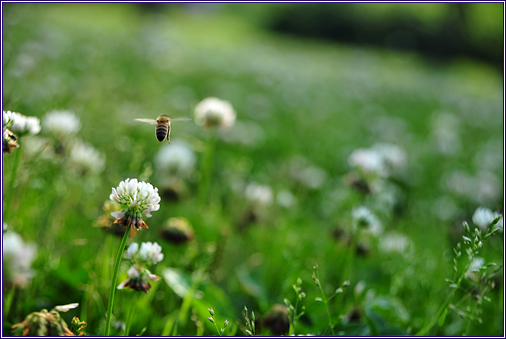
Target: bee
[162,126]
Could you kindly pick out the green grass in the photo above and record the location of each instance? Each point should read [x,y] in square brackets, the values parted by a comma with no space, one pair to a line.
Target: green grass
[112,63]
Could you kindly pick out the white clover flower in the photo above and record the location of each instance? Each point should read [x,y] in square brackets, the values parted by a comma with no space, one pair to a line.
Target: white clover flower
[394,242]
[24,125]
[7,118]
[445,133]
[177,159]
[136,198]
[61,124]
[257,193]
[212,112]
[308,175]
[482,217]
[474,268]
[19,257]
[364,218]
[87,157]
[368,162]
[132,250]
[286,199]
[393,156]
[151,253]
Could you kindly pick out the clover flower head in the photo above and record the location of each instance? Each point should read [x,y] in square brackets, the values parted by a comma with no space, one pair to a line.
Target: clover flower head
[24,125]
[132,250]
[364,218]
[7,119]
[151,253]
[260,194]
[213,112]
[482,217]
[394,242]
[19,257]
[138,279]
[286,199]
[86,157]
[61,124]
[177,159]
[177,230]
[367,162]
[393,156]
[136,198]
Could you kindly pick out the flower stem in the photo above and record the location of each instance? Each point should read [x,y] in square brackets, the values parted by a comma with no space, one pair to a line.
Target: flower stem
[114,280]
[326,304]
[8,196]
[207,168]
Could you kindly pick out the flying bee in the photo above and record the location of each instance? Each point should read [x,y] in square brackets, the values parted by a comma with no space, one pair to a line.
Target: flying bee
[162,126]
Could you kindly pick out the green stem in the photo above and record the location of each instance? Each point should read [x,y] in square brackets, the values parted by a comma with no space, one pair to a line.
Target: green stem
[114,280]
[129,319]
[8,196]
[326,305]
[206,169]
[214,322]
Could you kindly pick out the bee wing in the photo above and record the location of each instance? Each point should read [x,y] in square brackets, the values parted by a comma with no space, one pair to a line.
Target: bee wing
[181,119]
[148,121]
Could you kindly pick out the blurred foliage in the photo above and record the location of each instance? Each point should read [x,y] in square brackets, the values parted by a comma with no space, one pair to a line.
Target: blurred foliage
[303,106]
[443,31]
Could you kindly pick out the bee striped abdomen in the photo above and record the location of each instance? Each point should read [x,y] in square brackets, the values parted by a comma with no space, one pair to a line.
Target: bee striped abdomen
[161,132]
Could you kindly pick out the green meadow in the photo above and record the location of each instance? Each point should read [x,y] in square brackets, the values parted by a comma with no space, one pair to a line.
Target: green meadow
[334,204]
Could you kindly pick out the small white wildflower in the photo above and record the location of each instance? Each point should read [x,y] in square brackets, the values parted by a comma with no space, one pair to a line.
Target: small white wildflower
[136,198]
[23,125]
[368,162]
[176,159]
[286,199]
[151,253]
[473,271]
[87,157]
[364,218]
[138,279]
[61,124]
[393,156]
[7,119]
[482,217]
[445,133]
[19,257]
[212,112]
[132,250]
[308,175]
[394,242]
[258,193]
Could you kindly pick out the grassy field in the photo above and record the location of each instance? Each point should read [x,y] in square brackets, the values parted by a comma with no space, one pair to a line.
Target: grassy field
[267,199]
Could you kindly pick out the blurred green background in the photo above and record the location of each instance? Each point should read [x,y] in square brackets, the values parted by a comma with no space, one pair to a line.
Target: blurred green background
[311,82]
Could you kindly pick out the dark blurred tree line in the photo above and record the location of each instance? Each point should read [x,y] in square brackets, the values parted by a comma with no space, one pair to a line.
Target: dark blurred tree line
[438,30]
